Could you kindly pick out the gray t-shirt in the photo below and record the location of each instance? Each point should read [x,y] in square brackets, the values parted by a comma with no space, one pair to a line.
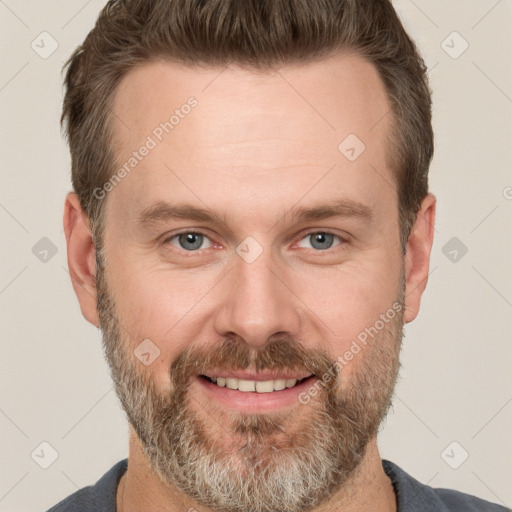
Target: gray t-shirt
[412,496]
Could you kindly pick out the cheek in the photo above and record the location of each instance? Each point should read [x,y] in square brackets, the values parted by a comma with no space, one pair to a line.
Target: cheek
[155,297]
[350,298]
[162,306]
[351,302]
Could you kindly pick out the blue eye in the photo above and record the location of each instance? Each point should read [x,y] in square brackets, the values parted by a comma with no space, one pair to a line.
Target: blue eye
[189,241]
[192,241]
[320,240]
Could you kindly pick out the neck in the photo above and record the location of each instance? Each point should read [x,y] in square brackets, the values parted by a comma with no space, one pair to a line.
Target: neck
[140,488]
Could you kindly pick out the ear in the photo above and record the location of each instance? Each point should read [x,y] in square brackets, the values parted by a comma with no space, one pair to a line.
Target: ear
[417,257]
[81,257]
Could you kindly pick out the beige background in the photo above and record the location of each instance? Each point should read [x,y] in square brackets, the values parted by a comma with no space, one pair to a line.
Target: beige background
[456,383]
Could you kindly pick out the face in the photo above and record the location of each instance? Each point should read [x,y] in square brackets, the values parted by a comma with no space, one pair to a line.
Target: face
[260,265]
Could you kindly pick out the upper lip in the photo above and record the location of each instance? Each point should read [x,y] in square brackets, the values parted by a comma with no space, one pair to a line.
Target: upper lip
[258,376]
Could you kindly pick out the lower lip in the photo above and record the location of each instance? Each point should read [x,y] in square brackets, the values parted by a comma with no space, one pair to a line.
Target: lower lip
[253,402]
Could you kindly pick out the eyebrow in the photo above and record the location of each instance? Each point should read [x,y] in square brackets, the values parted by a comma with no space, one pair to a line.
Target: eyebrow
[162,212]
[339,208]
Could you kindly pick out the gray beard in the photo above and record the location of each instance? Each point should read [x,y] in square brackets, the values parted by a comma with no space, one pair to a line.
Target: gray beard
[273,464]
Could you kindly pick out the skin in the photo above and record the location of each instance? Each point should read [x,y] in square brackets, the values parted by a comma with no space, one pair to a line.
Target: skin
[257,146]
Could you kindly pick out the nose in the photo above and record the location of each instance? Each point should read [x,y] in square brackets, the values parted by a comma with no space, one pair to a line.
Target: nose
[258,303]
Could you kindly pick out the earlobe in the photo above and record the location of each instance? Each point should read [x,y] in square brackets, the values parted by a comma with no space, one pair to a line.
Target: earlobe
[417,259]
[81,257]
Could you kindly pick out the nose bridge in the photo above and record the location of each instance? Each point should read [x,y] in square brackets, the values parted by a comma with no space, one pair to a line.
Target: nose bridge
[258,304]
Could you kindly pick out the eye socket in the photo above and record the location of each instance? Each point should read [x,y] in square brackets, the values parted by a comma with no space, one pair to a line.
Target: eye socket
[189,241]
[192,241]
[321,240]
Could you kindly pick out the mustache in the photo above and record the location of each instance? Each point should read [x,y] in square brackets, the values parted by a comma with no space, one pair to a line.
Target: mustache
[279,353]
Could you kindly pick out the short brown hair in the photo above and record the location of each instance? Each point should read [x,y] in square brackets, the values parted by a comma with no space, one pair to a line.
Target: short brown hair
[259,34]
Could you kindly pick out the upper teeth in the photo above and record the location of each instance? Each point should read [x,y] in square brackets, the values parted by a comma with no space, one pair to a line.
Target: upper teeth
[266,386]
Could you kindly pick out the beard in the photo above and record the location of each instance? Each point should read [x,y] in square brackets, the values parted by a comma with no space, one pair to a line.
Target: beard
[290,461]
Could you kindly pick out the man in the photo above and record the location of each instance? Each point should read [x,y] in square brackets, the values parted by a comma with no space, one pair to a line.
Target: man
[251,228]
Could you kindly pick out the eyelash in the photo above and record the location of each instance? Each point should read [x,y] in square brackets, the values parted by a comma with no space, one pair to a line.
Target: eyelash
[343,241]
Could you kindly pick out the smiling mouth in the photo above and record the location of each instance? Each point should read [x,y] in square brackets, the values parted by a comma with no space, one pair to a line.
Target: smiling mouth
[254,386]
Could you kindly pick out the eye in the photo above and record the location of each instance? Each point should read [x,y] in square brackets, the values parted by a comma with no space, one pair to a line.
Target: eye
[189,241]
[320,240]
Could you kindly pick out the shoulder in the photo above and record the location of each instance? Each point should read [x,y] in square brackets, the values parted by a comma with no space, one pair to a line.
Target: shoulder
[100,497]
[456,500]
[80,501]
[413,495]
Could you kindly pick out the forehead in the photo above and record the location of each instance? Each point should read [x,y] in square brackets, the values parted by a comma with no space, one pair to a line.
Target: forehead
[278,130]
